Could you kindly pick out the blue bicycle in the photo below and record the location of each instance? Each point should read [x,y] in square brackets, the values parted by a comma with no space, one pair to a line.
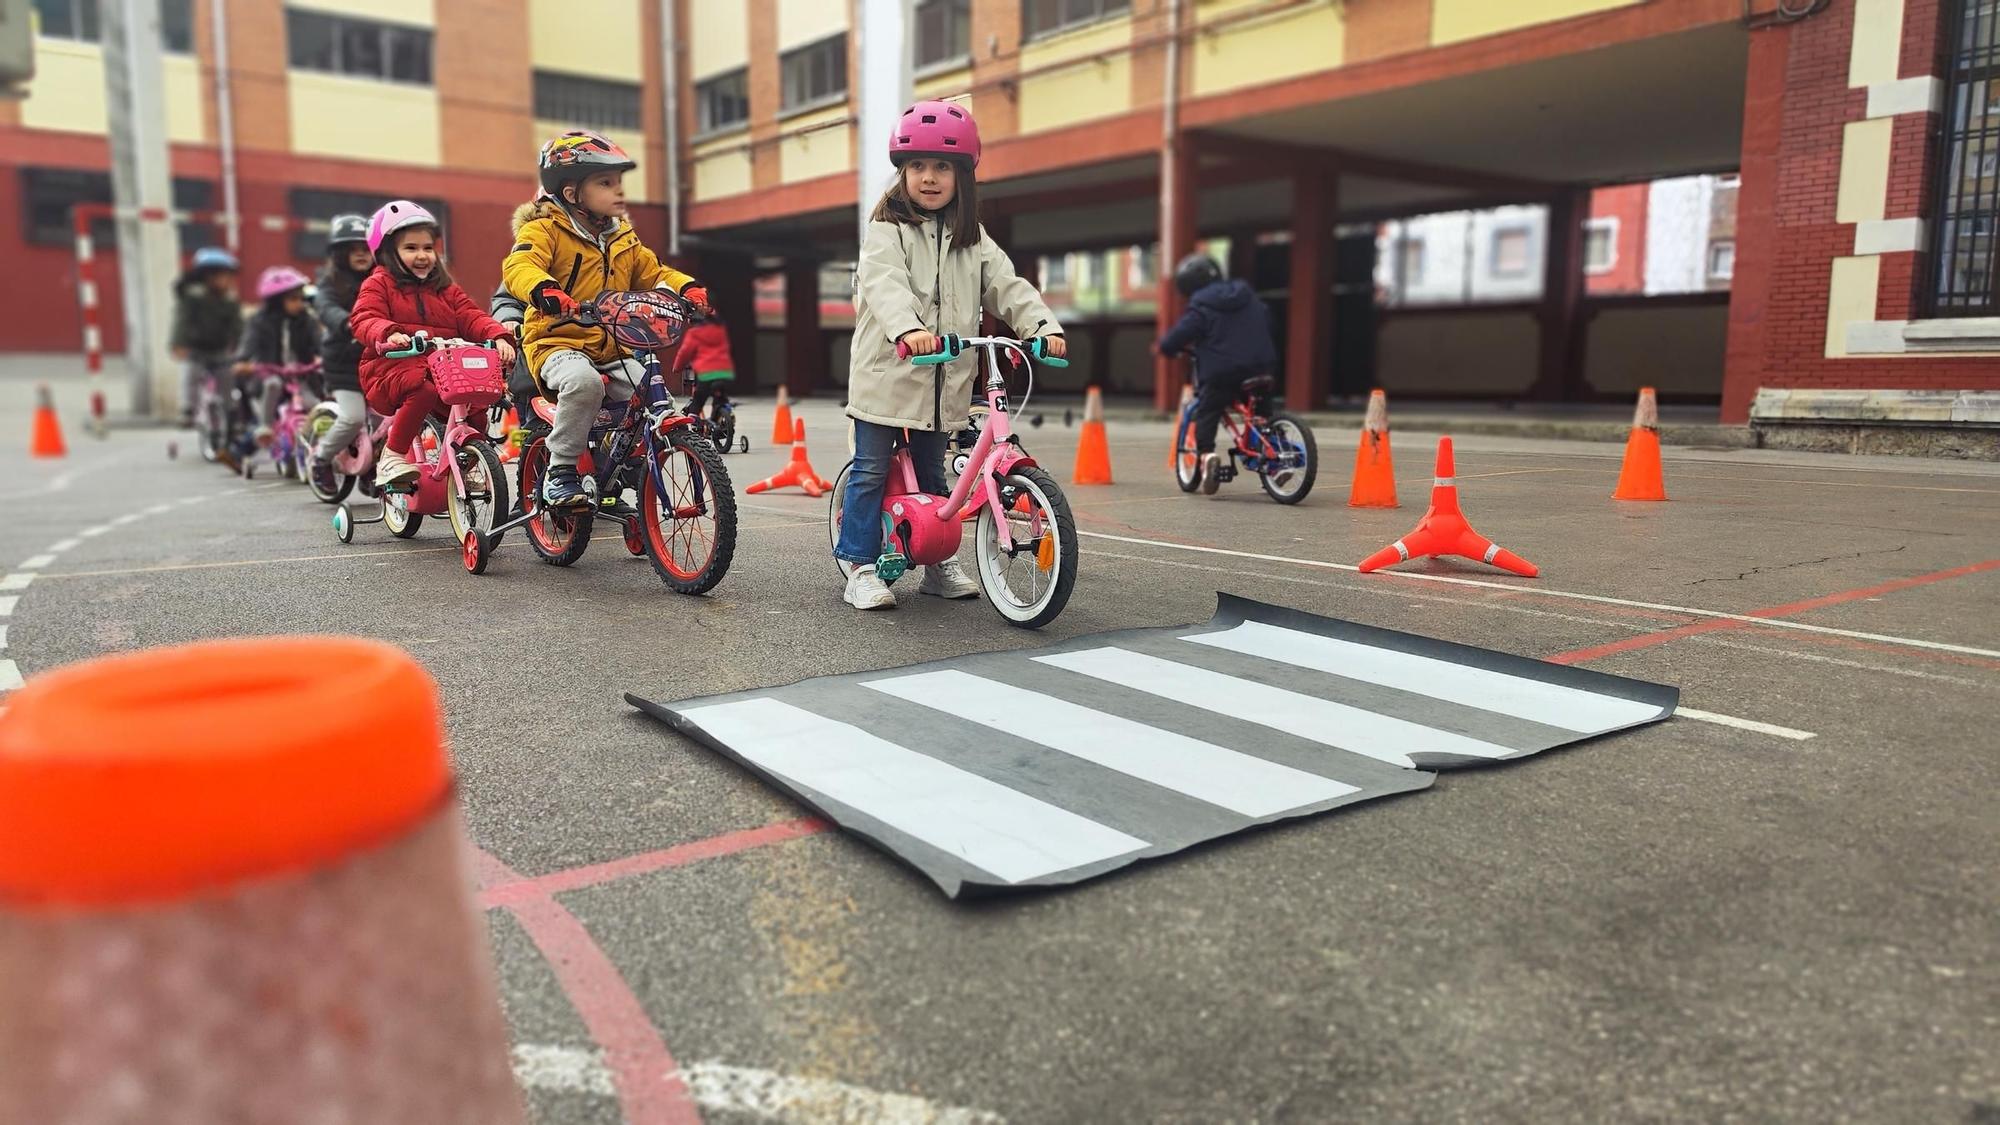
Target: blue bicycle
[1273,444]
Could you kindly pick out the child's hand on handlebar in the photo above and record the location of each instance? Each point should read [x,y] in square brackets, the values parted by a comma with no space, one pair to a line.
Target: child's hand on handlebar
[505,346]
[1055,346]
[550,298]
[919,342]
[395,341]
[697,295]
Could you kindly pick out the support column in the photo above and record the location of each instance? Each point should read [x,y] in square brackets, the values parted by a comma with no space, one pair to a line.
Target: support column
[1242,261]
[1176,240]
[1309,328]
[1745,357]
[1560,375]
[731,282]
[805,350]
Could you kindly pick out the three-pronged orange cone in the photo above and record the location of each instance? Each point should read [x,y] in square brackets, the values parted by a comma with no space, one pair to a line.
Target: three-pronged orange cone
[47,439]
[1443,530]
[1641,477]
[1374,470]
[781,422]
[1093,449]
[798,471]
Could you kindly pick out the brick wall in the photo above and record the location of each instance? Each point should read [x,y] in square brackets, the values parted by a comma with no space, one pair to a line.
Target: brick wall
[766,91]
[485,85]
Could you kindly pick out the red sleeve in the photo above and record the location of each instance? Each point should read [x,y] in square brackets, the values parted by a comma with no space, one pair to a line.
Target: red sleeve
[473,323]
[369,318]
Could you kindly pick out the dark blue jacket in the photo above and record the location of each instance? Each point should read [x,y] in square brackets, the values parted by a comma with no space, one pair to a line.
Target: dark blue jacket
[1229,328]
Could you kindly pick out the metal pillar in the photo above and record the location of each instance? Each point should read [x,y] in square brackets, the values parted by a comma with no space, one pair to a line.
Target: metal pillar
[142,190]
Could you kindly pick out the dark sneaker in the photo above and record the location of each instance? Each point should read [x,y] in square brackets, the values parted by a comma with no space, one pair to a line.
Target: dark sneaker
[563,488]
[1211,473]
[322,475]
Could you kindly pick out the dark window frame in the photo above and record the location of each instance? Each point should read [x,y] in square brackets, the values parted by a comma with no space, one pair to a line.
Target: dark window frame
[47,194]
[954,36]
[810,92]
[592,103]
[710,91]
[81,24]
[1965,224]
[360,48]
[310,204]
[1042,18]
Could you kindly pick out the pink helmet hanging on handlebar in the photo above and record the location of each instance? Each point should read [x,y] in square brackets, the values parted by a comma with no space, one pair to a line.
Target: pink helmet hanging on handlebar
[394,216]
[280,280]
[935,128]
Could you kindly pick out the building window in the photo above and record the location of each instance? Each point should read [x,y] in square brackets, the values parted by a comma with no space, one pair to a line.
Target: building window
[1045,17]
[317,205]
[360,48]
[1510,252]
[1968,203]
[815,73]
[1600,245]
[77,19]
[48,193]
[944,32]
[1143,270]
[1721,261]
[722,102]
[1055,272]
[1410,263]
[590,102]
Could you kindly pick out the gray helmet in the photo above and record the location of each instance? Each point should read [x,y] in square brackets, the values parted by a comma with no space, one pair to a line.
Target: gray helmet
[1194,272]
[347,228]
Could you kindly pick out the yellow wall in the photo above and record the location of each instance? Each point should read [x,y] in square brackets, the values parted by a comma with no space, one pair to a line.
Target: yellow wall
[718,38]
[68,91]
[717,176]
[1851,298]
[630,140]
[1081,92]
[336,116]
[1864,171]
[1293,42]
[945,84]
[805,21]
[594,38]
[1878,42]
[423,12]
[817,154]
[1454,21]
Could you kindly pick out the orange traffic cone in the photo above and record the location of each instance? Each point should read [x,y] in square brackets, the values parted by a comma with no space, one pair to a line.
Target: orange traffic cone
[510,446]
[1443,530]
[1374,470]
[781,422]
[233,888]
[47,440]
[1642,478]
[1093,451]
[798,471]
[1180,412]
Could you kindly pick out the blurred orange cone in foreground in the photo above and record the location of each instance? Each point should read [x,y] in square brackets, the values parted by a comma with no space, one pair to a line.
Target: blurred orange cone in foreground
[1641,477]
[1093,450]
[231,889]
[1374,470]
[47,440]
[1443,530]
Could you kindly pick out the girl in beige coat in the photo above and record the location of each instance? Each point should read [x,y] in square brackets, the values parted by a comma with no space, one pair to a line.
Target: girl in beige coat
[927,269]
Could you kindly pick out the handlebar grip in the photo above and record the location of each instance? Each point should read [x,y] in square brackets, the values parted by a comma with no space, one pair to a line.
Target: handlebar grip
[404,353]
[1039,347]
[949,347]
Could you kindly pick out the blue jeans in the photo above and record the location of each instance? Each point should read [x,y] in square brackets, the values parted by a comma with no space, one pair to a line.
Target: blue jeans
[861,538]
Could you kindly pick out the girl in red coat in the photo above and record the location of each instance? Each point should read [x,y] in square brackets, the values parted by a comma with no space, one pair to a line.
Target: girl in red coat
[410,291]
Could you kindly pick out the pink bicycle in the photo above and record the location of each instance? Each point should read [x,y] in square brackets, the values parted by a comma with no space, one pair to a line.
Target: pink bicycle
[460,475]
[291,447]
[1025,539]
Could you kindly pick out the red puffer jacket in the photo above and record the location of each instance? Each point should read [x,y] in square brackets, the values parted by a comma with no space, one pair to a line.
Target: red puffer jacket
[383,307]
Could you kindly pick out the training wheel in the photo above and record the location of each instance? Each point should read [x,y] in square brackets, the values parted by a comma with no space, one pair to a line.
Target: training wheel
[477,550]
[742,445]
[343,524]
[633,542]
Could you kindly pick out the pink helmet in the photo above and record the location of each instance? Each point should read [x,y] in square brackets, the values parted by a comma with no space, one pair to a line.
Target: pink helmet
[935,128]
[278,280]
[395,216]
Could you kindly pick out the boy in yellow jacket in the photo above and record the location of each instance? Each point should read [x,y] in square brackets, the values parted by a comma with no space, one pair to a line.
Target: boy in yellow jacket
[570,244]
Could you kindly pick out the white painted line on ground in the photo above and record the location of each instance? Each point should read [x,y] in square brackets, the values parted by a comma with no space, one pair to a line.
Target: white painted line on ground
[10,675]
[16,581]
[1860,665]
[3,637]
[37,562]
[1548,592]
[62,545]
[7,604]
[129,517]
[763,1095]
[1745,724]
[94,532]
[159,509]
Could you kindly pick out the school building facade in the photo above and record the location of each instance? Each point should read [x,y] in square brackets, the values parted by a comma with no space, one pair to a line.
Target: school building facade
[1854,285]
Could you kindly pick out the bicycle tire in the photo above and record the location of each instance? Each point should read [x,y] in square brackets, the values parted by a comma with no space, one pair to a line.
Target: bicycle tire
[1308,474]
[721,498]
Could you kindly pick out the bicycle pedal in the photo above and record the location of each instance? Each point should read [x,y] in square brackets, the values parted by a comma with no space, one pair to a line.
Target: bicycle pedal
[892,566]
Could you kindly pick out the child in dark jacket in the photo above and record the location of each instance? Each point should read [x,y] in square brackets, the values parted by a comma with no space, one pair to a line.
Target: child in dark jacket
[1229,329]
[208,322]
[348,264]
[281,333]
[410,291]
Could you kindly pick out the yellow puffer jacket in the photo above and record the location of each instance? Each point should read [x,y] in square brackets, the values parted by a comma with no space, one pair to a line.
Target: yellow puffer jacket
[549,245]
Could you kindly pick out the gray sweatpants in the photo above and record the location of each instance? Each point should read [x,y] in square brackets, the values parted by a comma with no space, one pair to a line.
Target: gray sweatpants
[353,410]
[581,388]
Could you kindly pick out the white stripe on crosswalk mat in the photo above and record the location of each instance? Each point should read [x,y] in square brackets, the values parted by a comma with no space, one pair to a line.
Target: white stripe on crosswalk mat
[1227,778]
[1369,733]
[1001,831]
[1565,708]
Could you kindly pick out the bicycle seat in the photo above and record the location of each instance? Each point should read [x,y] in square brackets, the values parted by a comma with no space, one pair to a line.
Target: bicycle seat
[1259,383]
[545,409]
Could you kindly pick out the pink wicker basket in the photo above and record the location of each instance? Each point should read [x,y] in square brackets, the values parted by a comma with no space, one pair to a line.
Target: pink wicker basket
[468,376]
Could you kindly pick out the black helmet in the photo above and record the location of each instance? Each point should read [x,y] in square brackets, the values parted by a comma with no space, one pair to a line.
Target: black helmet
[347,228]
[1195,271]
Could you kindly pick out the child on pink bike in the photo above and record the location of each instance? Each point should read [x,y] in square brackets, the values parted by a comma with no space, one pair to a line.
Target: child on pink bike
[409,292]
[927,269]
[281,333]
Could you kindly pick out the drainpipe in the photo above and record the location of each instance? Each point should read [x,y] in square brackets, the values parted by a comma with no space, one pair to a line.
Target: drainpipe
[671,79]
[225,123]
[1170,140]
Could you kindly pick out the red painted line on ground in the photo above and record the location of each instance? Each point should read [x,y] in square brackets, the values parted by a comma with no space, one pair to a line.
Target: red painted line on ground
[645,1076]
[518,889]
[1648,640]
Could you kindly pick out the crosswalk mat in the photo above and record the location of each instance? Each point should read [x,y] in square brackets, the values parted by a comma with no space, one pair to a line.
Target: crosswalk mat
[1044,767]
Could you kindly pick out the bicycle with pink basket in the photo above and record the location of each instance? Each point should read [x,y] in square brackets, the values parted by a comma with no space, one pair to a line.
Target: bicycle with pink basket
[1025,539]
[459,474]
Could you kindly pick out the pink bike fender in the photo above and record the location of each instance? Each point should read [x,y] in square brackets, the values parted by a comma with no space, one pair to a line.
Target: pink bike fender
[1006,457]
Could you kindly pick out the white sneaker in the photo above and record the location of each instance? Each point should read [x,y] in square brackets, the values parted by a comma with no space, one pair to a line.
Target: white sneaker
[392,468]
[948,580]
[865,591]
[1211,478]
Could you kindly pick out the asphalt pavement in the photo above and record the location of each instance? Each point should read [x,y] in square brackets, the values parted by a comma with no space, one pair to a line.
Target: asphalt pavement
[1782,910]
